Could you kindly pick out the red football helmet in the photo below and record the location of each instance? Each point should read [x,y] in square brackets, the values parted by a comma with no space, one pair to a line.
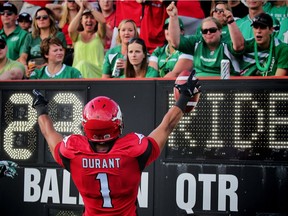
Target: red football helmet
[102,119]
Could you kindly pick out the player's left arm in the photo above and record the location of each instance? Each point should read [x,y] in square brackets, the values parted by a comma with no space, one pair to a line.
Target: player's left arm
[169,122]
[174,114]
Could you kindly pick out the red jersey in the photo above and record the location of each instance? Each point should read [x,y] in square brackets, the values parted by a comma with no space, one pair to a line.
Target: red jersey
[152,31]
[110,23]
[190,9]
[38,3]
[128,9]
[107,182]
[66,34]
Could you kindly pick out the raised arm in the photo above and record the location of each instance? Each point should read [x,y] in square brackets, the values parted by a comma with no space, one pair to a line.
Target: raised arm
[173,27]
[45,123]
[190,89]
[235,33]
[73,26]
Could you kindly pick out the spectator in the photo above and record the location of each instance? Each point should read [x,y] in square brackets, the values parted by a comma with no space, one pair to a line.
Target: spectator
[283,32]
[13,34]
[168,61]
[208,50]
[264,55]
[87,31]
[8,168]
[44,26]
[152,22]
[115,57]
[254,8]
[108,11]
[218,13]
[110,189]
[25,21]
[137,61]
[53,52]
[9,69]
[277,9]
[191,13]
[67,11]
[126,10]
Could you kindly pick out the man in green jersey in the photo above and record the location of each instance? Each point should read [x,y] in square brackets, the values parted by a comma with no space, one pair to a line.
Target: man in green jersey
[264,55]
[208,50]
[53,52]
[12,33]
[255,8]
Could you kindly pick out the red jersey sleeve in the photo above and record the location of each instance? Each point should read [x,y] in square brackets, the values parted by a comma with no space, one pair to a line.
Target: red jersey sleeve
[69,147]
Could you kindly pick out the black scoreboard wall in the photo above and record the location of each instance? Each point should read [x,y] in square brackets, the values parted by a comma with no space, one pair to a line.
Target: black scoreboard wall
[228,157]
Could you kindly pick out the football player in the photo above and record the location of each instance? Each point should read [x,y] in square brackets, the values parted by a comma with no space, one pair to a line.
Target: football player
[105,167]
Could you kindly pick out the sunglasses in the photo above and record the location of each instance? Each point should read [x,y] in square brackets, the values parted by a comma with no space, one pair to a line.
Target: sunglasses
[2,45]
[217,10]
[8,13]
[259,25]
[211,30]
[70,1]
[44,17]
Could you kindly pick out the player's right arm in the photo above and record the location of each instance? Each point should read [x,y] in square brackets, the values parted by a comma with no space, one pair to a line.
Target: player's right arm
[174,115]
[45,122]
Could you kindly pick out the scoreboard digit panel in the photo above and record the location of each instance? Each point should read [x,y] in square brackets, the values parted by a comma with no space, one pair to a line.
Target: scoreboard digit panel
[20,133]
[233,122]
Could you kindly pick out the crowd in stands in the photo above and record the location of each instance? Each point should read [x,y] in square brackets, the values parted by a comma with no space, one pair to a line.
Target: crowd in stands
[142,38]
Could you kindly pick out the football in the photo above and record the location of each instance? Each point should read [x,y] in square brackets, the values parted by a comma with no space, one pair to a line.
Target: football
[181,79]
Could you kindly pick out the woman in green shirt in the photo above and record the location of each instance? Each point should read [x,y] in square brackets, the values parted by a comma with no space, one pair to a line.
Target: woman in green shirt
[44,26]
[137,61]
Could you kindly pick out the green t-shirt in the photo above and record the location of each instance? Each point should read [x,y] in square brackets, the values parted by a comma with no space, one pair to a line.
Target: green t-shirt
[244,24]
[283,32]
[151,72]
[166,61]
[15,42]
[110,59]
[66,72]
[10,64]
[279,59]
[207,62]
[278,12]
[32,47]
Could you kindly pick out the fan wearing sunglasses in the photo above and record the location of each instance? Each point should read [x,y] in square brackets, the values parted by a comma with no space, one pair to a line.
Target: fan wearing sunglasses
[208,50]
[218,13]
[9,69]
[43,26]
[13,34]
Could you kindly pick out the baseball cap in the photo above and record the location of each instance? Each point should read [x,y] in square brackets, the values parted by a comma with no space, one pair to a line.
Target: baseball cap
[24,17]
[10,7]
[86,11]
[263,19]
[180,23]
